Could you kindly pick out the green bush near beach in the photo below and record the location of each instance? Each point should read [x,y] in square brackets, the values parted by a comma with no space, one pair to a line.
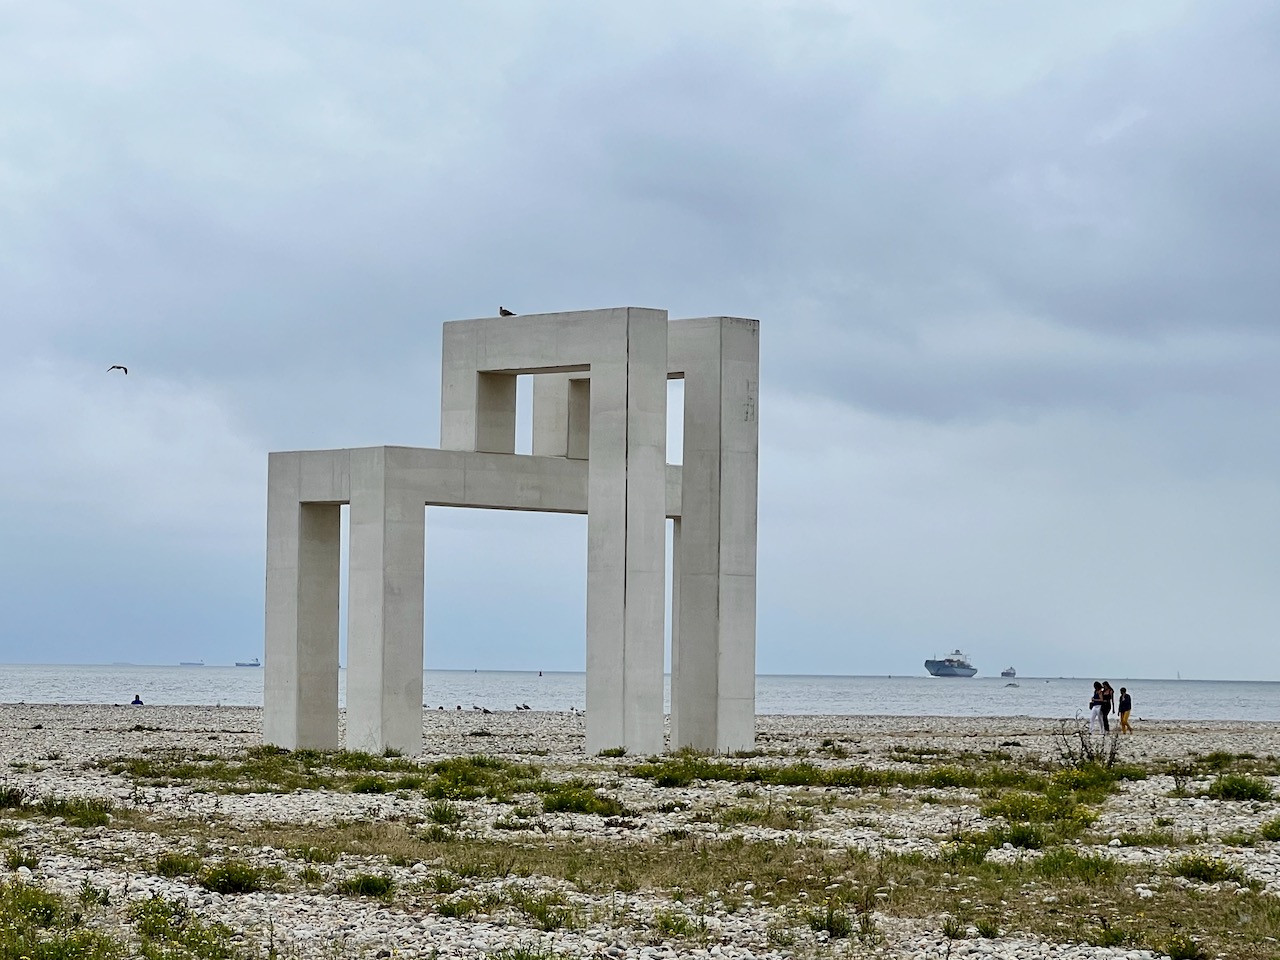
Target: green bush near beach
[1238,786]
[232,876]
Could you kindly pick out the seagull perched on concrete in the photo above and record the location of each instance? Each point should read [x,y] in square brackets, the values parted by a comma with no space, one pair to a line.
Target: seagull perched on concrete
[116,366]
[504,312]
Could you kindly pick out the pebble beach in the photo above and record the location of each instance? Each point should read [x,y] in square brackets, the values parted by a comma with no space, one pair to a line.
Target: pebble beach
[52,751]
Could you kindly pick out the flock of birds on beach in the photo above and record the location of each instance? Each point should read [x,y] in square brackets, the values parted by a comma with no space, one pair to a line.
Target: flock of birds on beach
[574,711]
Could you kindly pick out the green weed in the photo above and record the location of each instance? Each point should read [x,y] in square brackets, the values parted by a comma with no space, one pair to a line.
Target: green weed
[232,876]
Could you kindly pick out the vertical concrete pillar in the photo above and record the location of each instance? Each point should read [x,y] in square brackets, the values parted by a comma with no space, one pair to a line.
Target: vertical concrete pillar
[300,669]
[561,416]
[626,509]
[675,628]
[385,606]
[713,689]
[495,413]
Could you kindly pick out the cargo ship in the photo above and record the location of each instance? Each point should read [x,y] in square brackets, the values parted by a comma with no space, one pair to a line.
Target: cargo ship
[954,664]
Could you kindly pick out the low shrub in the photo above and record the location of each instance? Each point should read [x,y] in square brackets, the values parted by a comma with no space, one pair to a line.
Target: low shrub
[11,797]
[580,798]
[1206,869]
[178,864]
[1181,946]
[367,885]
[830,920]
[232,876]
[445,813]
[1239,786]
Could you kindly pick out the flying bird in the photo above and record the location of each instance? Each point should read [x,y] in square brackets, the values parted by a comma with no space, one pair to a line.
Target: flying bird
[116,366]
[504,312]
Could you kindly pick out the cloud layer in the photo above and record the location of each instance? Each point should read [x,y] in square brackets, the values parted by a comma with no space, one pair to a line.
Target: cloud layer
[1014,267]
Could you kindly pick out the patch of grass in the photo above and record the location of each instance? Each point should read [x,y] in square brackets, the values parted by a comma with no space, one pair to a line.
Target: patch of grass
[458,908]
[444,882]
[232,876]
[168,924]
[1239,786]
[672,924]
[12,797]
[988,927]
[1151,838]
[370,784]
[262,769]
[1024,836]
[13,859]
[1108,934]
[1063,863]
[93,896]
[313,854]
[548,910]
[1183,946]
[445,813]
[577,797]
[78,811]
[1056,810]
[831,919]
[179,864]
[367,885]
[311,876]
[780,817]
[1270,830]
[37,925]
[1205,869]
[613,752]
[470,778]
[524,953]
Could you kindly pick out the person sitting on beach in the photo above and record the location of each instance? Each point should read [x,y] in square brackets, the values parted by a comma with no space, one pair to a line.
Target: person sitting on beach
[1126,705]
[1095,707]
[137,700]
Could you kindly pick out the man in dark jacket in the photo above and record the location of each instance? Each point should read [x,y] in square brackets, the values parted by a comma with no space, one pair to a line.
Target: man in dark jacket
[1126,704]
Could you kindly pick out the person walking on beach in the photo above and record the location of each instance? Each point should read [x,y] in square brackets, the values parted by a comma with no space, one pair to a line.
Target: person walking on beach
[1095,707]
[1126,705]
[1108,704]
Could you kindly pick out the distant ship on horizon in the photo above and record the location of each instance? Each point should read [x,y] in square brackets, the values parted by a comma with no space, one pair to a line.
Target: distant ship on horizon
[191,663]
[954,664]
[248,663]
[1008,673]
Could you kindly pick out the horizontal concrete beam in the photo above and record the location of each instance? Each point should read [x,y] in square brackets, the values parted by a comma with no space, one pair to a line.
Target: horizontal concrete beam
[460,478]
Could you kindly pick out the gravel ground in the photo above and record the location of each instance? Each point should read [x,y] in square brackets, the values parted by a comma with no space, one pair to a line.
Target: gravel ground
[48,751]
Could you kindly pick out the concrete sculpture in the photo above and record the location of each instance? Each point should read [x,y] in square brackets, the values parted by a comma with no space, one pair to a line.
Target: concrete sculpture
[599,448]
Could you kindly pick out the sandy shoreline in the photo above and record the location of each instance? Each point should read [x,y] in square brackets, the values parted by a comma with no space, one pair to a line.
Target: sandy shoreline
[56,751]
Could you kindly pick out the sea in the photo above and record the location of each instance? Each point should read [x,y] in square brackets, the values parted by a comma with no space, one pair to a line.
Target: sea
[1052,697]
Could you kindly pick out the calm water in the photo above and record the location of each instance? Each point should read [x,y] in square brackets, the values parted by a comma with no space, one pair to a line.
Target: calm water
[892,696]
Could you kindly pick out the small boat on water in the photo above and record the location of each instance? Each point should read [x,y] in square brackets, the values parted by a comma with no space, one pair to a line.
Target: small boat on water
[1008,673]
[191,663]
[954,664]
[248,663]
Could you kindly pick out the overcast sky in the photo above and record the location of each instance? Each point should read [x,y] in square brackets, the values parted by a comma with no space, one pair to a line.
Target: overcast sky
[1017,268]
